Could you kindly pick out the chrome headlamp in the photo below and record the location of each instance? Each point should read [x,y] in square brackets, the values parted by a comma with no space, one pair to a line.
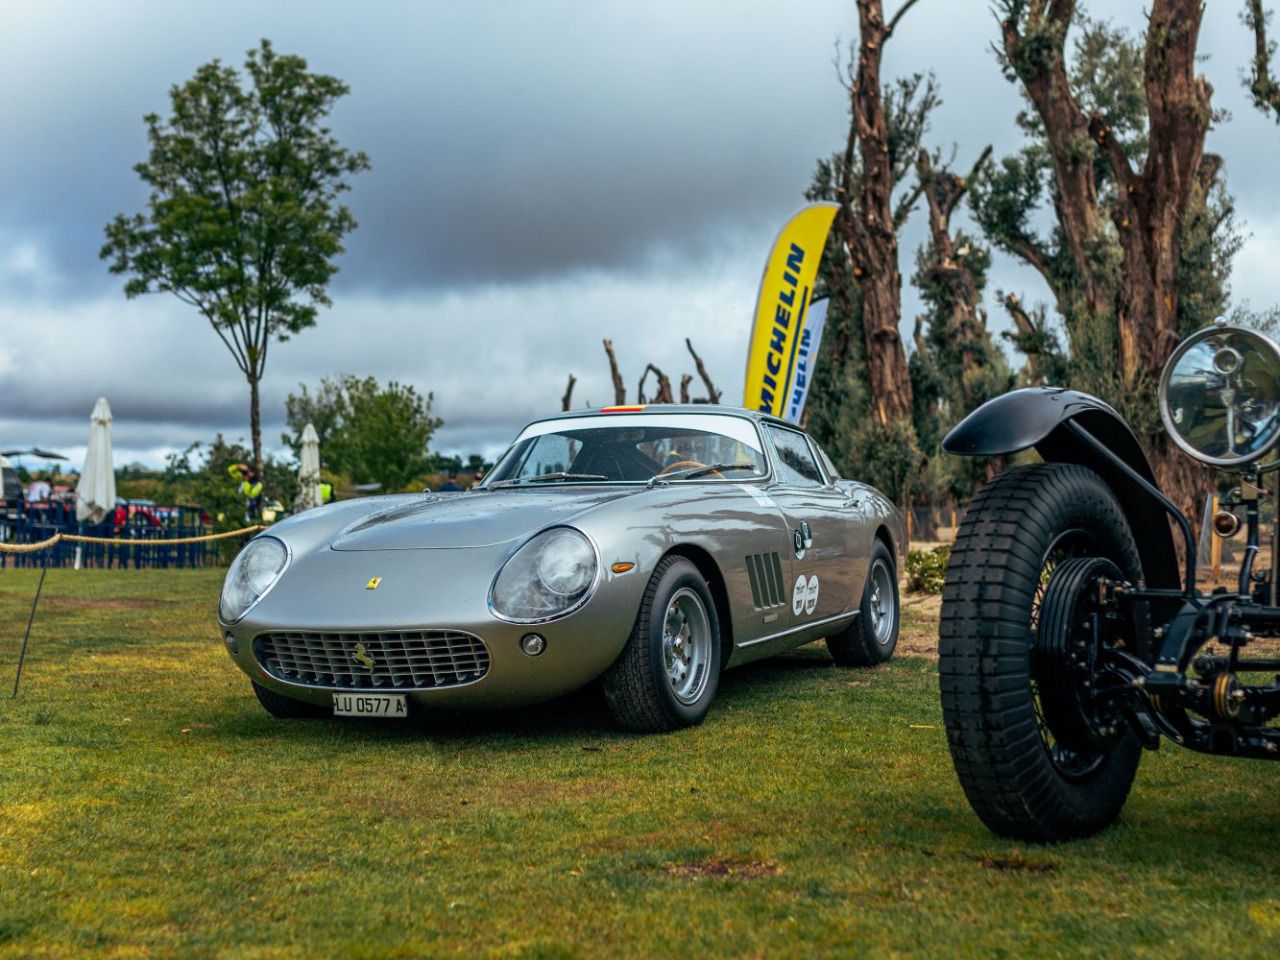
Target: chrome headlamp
[1220,396]
[257,567]
[552,575]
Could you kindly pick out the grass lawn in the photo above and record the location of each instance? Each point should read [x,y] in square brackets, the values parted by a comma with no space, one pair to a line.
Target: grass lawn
[149,807]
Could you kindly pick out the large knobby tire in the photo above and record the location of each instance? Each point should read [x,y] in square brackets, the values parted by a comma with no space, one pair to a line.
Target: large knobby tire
[873,635]
[286,708]
[1019,781]
[667,674]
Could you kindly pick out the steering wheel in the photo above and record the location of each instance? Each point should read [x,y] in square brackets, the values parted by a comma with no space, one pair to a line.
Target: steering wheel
[689,465]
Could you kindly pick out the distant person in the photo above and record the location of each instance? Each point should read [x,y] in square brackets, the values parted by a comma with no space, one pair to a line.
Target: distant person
[450,486]
[250,489]
[38,491]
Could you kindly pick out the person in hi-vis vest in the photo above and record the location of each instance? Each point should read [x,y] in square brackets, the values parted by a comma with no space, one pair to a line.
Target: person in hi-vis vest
[250,488]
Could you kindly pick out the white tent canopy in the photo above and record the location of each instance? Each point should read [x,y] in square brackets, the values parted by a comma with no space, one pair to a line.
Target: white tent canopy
[96,491]
[309,470]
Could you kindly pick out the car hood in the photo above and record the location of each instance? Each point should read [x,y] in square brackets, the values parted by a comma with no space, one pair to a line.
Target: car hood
[478,519]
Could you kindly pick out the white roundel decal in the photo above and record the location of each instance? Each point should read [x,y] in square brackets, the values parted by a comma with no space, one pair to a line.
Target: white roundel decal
[811,595]
[804,596]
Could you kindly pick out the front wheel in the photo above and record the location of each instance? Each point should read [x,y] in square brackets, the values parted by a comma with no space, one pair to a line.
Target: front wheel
[666,675]
[1035,759]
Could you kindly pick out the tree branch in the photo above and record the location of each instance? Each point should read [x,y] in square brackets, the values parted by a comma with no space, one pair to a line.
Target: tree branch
[1266,92]
[619,387]
[713,395]
[888,32]
[568,393]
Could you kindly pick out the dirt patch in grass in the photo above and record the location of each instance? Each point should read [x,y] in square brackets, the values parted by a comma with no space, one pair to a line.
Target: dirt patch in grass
[739,868]
[1016,863]
[90,603]
[918,632]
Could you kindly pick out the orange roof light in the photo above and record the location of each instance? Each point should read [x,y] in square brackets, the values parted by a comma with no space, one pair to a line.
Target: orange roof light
[633,408]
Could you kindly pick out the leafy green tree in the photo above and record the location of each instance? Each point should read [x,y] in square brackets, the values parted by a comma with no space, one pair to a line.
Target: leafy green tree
[243,221]
[373,433]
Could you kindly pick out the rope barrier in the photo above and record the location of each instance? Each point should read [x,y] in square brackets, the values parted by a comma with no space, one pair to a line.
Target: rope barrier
[123,541]
[110,541]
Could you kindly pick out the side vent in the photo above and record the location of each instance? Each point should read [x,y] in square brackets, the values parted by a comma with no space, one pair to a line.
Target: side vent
[764,570]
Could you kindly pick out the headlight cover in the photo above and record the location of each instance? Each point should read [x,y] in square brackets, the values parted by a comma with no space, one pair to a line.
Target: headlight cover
[551,575]
[252,574]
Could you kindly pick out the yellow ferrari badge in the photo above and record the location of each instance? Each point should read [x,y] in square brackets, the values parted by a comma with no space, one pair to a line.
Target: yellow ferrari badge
[373,584]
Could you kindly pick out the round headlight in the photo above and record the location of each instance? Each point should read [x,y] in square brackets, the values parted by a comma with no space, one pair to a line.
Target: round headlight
[548,577]
[252,573]
[1220,396]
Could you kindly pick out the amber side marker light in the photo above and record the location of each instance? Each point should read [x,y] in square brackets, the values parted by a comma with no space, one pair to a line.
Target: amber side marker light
[622,567]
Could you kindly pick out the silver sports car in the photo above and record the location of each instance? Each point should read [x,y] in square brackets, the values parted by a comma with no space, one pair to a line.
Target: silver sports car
[649,547]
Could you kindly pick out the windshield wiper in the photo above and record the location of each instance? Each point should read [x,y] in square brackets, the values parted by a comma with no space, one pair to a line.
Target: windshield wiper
[547,478]
[693,472]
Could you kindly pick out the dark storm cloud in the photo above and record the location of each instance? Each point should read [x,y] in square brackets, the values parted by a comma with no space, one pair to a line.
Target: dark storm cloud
[545,174]
[508,142]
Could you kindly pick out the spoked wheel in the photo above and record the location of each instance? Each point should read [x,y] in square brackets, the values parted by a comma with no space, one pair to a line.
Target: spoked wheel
[1020,654]
[1073,764]
[873,636]
[686,645]
[666,675]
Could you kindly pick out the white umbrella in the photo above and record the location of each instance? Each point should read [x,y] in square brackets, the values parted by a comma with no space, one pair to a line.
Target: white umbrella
[96,491]
[309,470]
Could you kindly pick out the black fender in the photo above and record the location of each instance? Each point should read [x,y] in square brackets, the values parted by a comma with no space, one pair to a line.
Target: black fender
[1037,417]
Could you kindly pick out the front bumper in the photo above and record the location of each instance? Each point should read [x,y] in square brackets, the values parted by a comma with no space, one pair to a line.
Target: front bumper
[327,593]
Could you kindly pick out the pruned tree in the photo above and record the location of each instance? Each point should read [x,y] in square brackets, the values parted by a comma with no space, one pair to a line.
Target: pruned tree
[874,162]
[567,399]
[619,387]
[956,365]
[1116,150]
[243,221]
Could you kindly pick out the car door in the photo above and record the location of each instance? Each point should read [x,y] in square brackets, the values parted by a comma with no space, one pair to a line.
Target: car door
[816,510]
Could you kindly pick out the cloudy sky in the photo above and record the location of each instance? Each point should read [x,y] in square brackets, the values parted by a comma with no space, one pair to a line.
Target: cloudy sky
[544,175]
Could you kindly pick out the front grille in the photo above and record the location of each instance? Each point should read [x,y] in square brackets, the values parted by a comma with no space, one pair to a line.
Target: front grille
[412,660]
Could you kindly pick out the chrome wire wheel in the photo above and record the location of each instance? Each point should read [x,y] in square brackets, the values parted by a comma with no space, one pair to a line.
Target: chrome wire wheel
[1071,764]
[884,613]
[686,645]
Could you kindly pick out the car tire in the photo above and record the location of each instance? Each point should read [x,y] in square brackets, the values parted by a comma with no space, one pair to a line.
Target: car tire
[873,635]
[666,678]
[1018,779]
[286,708]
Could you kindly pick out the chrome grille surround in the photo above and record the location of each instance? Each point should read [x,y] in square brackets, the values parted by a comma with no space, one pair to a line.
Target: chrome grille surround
[402,660]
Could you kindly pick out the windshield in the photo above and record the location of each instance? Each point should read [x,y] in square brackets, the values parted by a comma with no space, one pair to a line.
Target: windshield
[632,449]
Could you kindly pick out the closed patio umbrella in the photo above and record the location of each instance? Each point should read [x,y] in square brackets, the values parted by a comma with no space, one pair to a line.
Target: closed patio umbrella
[96,491]
[309,470]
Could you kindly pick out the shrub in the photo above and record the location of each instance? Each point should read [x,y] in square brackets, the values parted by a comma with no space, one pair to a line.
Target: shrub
[927,569]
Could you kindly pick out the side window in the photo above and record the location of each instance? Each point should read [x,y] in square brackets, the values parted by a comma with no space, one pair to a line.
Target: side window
[825,461]
[795,460]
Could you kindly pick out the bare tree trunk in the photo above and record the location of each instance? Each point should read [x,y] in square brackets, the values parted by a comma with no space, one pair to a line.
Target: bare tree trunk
[1148,214]
[869,231]
[255,423]
[568,393]
[713,395]
[619,388]
[685,380]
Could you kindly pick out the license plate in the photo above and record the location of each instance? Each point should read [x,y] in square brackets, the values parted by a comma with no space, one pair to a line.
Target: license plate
[390,705]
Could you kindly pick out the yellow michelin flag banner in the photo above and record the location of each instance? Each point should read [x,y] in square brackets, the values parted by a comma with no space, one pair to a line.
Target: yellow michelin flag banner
[785,294]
